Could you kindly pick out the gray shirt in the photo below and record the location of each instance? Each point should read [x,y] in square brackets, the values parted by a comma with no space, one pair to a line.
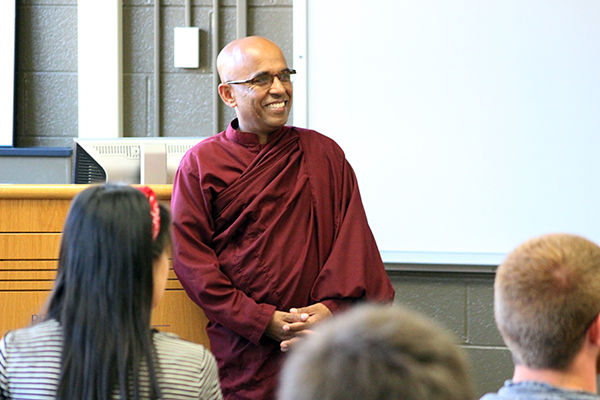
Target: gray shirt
[30,361]
[530,390]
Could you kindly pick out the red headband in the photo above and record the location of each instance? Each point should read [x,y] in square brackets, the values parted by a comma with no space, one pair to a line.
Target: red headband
[154,211]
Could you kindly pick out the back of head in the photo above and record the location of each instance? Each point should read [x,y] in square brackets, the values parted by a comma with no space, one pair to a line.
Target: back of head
[106,254]
[546,294]
[104,286]
[376,352]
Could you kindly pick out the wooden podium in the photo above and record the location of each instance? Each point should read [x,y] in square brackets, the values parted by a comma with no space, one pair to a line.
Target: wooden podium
[31,221]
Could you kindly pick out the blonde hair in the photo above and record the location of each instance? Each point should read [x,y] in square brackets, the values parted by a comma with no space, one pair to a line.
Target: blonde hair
[546,293]
[376,352]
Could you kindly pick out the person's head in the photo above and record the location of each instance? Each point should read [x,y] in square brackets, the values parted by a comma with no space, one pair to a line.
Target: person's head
[263,104]
[546,296]
[112,270]
[376,352]
[108,257]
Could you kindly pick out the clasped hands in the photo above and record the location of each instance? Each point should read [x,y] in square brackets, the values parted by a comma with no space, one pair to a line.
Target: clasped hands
[288,327]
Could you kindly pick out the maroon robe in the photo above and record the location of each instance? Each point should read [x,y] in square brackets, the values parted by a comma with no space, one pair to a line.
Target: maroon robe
[260,228]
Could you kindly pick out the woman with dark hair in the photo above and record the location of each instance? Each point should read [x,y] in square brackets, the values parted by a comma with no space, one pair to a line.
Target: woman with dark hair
[95,341]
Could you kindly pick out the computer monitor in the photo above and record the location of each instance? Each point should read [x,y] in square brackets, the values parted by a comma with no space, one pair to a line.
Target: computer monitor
[129,160]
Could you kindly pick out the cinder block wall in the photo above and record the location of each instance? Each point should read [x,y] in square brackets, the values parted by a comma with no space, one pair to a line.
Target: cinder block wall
[464,304]
[47,116]
[46,76]
[46,83]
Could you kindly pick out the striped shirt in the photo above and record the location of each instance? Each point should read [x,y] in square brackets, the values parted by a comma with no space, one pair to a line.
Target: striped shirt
[30,360]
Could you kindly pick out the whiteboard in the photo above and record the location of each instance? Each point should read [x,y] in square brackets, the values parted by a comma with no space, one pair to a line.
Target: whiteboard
[7,71]
[471,125]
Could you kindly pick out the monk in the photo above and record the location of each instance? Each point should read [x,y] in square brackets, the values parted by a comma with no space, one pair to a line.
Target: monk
[270,232]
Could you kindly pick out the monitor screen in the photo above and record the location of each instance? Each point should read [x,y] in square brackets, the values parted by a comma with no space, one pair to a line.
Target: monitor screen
[129,160]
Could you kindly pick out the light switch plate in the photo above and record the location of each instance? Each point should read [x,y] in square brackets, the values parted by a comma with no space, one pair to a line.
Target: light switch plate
[187,47]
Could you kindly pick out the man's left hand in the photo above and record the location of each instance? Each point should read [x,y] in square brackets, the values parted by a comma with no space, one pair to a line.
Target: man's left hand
[310,316]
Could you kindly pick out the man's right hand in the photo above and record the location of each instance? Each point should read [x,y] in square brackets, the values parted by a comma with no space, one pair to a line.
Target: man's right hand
[278,320]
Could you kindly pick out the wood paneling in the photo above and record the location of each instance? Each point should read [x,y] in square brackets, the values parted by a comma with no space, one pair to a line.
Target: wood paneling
[6,265]
[32,215]
[24,246]
[20,308]
[177,313]
[31,221]
[64,192]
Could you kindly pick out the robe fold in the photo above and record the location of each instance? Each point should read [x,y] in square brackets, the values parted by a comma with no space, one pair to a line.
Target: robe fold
[260,228]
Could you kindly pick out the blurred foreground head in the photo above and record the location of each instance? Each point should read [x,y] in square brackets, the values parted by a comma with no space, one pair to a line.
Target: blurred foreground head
[376,352]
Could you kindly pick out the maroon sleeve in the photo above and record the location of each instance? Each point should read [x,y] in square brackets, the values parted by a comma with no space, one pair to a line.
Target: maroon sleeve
[353,269]
[197,266]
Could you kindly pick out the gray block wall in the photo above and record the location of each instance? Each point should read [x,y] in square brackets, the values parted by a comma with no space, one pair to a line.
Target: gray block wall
[46,115]
[46,82]
[46,73]
[462,302]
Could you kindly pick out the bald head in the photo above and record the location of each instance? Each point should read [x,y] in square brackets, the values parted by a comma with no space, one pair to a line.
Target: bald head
[240,53]
[260,108]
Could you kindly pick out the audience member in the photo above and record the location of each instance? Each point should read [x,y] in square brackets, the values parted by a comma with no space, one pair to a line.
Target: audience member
[546,302]
[376,352]
[95,340]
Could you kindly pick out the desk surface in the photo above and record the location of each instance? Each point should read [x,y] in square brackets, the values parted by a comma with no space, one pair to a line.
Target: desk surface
[21,191]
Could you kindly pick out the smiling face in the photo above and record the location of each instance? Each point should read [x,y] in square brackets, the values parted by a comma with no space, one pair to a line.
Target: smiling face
[260,110]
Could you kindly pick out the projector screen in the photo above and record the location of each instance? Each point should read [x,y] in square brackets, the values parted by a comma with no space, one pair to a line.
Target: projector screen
[7,71]
[471,125]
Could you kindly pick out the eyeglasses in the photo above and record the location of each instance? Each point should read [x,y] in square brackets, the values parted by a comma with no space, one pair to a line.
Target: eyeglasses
[265,79]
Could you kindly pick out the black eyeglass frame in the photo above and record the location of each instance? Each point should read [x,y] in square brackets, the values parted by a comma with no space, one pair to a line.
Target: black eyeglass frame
[290,71]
